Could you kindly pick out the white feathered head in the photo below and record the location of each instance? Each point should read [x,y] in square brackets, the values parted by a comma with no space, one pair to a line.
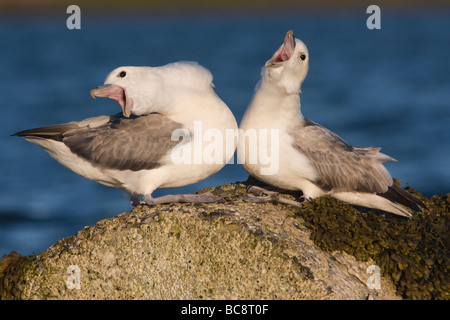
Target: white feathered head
[289,65]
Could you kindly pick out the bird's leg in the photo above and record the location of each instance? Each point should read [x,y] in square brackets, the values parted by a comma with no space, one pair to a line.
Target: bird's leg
[134,200]
[271,196]
[259,191]
[171,198]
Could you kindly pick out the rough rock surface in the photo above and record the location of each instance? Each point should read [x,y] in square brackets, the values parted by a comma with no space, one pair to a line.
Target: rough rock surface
[224,250]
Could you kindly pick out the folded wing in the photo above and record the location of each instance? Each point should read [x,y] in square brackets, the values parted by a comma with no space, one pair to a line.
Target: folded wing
[341,167]
[114,142]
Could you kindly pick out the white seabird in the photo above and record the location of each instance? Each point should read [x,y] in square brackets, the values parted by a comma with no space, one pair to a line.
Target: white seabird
[311,158]
[164,108]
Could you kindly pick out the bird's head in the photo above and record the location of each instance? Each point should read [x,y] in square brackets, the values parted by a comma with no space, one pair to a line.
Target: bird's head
[134,88]
[288,66]
[143,90]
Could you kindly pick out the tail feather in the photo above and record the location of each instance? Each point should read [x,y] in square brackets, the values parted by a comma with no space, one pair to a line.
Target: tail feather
[403,197]
[55,132]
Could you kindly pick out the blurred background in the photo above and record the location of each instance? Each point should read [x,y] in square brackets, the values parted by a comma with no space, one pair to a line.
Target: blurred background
[386,88]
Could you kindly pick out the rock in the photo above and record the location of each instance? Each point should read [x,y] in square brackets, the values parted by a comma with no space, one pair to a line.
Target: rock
[225,250]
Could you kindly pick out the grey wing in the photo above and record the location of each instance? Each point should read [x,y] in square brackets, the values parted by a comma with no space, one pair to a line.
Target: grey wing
[57,131]
[124,143]
[340,166]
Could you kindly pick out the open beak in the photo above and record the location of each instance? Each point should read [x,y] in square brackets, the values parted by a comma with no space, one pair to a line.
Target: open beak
[117,93]
[285,52]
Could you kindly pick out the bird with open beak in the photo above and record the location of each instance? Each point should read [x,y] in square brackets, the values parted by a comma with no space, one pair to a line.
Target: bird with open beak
[310,157]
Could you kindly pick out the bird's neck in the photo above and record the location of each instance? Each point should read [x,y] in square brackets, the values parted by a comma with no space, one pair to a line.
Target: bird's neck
[270,99]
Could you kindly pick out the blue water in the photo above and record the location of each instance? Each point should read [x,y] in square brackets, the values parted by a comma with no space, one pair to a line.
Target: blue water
[387,88]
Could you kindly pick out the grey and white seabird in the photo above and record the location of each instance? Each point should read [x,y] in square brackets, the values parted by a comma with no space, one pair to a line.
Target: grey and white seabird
[135,151]
[312,158]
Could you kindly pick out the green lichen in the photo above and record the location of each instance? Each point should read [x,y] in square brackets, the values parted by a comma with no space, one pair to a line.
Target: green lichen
[413,252]
[229,190]
[11,267]
[253,243]
[176,231]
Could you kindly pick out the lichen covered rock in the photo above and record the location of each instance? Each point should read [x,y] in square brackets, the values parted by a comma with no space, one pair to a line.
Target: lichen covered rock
[237,250]
[228,250]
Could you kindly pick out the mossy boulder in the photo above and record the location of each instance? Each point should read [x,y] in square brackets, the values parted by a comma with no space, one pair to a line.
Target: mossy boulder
[238,250]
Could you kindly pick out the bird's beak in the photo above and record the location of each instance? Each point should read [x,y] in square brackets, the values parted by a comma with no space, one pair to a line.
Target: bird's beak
[117,93]
[97,92]
[284,53]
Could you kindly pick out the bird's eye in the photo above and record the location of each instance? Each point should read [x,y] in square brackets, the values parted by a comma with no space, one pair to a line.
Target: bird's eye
[122,74]
[302,56]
